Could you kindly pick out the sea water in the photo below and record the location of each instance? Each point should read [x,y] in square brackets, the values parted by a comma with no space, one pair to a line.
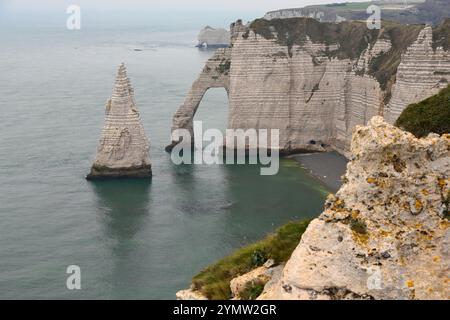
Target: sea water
[131,239]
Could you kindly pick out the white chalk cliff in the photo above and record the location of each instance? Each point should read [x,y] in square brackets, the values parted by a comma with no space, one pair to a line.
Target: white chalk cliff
[215,74]
[123,150]
[317,83]
[386,232]
[212,37]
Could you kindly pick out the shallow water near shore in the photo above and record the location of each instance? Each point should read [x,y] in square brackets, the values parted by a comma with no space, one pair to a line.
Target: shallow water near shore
[132,239]
[327,167]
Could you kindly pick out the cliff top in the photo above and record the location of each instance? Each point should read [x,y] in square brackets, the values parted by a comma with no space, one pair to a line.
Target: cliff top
[352,38]
[387,224]
[412,11]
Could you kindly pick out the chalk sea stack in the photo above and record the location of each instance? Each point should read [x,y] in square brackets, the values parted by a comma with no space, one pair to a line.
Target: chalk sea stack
[123,151]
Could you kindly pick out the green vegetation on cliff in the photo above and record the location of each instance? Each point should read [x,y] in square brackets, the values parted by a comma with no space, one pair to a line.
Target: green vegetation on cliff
[214,281]
[384,66]
[252,290]
[351,38]
[348,5]
[224,67]
[430,115]
[407,12]
[441,35]
[447,206]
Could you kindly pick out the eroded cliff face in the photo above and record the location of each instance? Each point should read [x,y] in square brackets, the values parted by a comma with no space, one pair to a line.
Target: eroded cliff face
[385,234]
[215,74]
[316,81]
[123,150]
[423,71]
[211,37]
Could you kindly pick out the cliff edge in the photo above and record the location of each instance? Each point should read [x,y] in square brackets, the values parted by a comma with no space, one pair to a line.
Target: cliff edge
[385,234]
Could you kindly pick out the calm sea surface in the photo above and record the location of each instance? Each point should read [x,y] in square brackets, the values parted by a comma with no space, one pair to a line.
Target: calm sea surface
[132,239]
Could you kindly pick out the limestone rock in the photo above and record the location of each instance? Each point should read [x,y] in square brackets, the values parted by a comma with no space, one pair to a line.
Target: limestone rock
[123,150]
[190,294]
[422,73]
[215,74]
[315,99]
[211,37]
[266,274]
[385,234]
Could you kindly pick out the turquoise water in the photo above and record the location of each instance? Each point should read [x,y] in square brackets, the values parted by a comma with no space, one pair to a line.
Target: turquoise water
[131,239]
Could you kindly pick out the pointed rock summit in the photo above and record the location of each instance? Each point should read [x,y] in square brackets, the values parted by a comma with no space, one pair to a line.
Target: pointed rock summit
[123,151]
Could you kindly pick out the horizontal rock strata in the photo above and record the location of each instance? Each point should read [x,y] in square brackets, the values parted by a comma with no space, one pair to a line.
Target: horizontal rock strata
[423,72]
[315,82]
[123,151]
[215,74]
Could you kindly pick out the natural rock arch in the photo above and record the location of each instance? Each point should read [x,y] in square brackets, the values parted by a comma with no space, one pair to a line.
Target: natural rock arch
[215,74]
[306,93]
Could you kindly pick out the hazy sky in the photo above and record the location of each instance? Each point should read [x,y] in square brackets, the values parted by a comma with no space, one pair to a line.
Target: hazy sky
[161,5]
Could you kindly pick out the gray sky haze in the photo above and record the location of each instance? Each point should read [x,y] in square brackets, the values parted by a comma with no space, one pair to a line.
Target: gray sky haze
[161,5]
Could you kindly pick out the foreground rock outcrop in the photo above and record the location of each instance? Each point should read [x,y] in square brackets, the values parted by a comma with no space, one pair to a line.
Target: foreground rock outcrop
[243,287]
[123,151]
[385,234]
[316,81]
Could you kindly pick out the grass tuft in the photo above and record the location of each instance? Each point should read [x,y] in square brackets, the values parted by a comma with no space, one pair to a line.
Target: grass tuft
[358,226]
[447,206]
[252,290]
